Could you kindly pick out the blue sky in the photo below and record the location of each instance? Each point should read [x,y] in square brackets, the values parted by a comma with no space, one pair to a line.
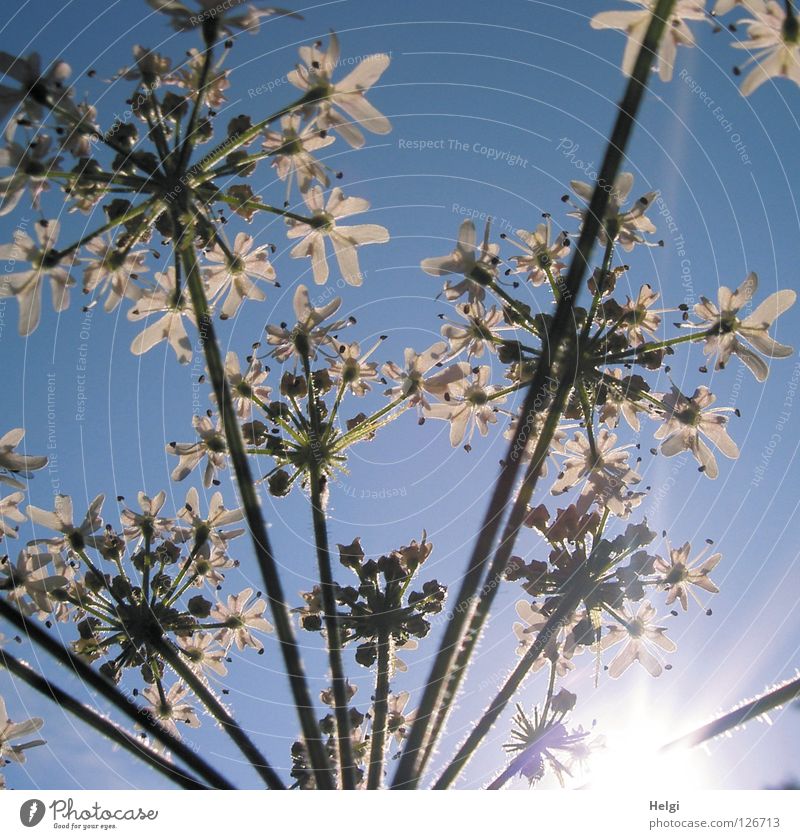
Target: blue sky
[517,98]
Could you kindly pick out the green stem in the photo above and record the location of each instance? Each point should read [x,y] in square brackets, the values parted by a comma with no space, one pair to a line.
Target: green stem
[411,763]
[588,418]
[643,349]
[230,144]
[111,225]
[188,140]
[380,711]
[328,589]
[366,426]
[255,522]
[104,726]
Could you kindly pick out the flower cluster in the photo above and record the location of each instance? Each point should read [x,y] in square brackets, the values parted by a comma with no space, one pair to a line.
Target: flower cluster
[173,192]
[153,584]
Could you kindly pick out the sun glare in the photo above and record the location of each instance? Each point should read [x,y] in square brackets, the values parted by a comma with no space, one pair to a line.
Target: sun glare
[632,760]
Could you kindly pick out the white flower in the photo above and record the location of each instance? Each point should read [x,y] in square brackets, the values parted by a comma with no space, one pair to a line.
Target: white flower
[635,23]
[29,169]
[541,254]
[111,270]
[227,15]
[620,400]
[238,275]
[636,317]
[686,418]
[205,532]
[729,328]
[411,378]
[9,511]
[469,405]
[606,471]
[676,575]
[352,369]
[246,386]
[151,67]
[398,719]
[147,524]
[481,329]
[203,653]
[240,617]
[189,76]
[35,87]
[13,730]
[477,264]
[211,445]
[640,634]
[290,149]
[165,299]
[31,577]
[172,708]
[61,520]
[26,286]
[527,632]
[12,462]
[625,227]
[345,239]
[314,77]
[307,335]
[773,41]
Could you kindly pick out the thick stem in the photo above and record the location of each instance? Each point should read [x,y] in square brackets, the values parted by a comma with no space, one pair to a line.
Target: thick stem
[380,712]
[111,694]
[255,522]
[500,561]
[409,771]
[104,726]
[328,589]
[218,711]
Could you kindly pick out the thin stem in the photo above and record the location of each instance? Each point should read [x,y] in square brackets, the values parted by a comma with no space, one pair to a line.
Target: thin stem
[499,564]
[104,726]
[188,140]
[261,543]
[328,588]
[257,760]
[231,144]
[643,349]
[567,606]
[136,713]
[365,426]
[588,418]
[380,712]
[409,769]
[258,205]
[111,225]
[733,719]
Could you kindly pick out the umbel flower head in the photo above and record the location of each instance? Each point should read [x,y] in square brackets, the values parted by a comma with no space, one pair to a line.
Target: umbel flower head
[381,602]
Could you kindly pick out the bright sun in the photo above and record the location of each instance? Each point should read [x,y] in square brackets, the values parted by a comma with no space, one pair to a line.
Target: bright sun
[632,761]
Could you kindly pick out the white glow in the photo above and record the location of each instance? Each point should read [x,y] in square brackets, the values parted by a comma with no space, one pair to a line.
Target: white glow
[631,761]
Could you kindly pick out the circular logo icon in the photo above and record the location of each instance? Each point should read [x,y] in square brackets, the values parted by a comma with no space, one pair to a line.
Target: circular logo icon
[31,812]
